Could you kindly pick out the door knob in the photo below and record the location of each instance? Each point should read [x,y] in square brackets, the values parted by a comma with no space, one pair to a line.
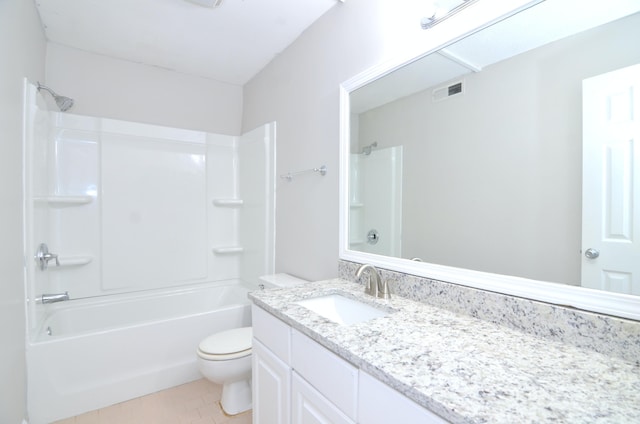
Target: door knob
[591,253]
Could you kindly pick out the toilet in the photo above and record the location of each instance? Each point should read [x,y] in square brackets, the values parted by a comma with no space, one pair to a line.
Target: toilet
[225,357]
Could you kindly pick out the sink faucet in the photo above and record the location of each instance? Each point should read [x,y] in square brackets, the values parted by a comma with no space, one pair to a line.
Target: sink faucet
[376,286]
[52,298]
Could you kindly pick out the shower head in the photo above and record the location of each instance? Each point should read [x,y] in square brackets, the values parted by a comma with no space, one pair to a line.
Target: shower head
[366,150]
[64,103]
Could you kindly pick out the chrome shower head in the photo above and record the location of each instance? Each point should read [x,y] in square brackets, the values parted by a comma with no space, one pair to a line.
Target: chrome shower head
[64,103]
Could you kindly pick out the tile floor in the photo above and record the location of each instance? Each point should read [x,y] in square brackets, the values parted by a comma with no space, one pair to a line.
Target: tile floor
[197,402]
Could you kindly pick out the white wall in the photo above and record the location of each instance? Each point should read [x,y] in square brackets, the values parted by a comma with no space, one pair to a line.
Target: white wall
[111,88]
[300,90]
[22,49]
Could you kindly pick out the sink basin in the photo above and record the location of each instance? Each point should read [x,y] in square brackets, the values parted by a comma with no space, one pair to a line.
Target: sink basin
[342,310]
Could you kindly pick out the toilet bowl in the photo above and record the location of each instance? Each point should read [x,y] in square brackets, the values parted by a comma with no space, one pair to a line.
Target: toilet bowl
[225,358]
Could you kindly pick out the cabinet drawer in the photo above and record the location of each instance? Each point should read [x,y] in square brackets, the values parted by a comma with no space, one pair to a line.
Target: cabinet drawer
[331,375]
[309,406]
[381,404]
[273,333]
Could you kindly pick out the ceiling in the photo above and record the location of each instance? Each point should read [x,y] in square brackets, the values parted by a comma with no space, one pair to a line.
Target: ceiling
[230,43]
[529,29]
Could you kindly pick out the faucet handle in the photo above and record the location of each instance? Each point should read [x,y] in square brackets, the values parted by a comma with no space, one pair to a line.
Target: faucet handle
[372,286]
[384,292]
[50,256]
[43,256]
[374,279]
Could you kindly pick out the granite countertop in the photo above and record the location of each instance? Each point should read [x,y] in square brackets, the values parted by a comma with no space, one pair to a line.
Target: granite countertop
[464,369]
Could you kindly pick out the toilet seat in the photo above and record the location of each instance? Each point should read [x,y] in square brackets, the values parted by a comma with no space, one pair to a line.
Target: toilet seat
[230,344]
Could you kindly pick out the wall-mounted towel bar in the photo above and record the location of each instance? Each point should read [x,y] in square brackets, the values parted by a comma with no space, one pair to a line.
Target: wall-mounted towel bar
[230,203]
[289,175]
[228,250]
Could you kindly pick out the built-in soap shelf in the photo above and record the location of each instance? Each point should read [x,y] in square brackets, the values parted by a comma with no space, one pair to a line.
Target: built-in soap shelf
[61,201]
[68,261]
[228,250]
[356,205]
[229,203]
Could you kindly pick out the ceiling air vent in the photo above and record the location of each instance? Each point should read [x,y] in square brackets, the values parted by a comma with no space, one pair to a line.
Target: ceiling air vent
[447,91]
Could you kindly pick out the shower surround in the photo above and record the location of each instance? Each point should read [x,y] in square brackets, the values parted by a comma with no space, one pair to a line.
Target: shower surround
[132,211]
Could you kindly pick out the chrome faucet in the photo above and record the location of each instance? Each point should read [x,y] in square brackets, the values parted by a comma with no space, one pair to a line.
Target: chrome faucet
[53,298]
[376,287]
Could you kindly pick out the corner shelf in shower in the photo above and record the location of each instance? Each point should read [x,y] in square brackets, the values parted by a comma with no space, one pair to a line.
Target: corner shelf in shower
[229,203]
[228,250]
[61,201]
[356,205]
[68,261]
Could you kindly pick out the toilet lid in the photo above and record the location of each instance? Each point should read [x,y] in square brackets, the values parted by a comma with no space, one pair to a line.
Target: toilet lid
[226,342]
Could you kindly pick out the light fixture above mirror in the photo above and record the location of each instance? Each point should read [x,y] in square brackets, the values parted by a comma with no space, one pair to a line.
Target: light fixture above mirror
[443,9]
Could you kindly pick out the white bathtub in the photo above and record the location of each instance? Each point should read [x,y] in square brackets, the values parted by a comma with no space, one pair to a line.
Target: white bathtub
[102,352]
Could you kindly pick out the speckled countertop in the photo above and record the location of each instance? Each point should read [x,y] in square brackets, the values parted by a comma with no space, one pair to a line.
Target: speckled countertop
[464,369]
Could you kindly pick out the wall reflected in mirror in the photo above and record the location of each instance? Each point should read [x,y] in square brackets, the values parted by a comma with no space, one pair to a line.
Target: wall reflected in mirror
[472,157]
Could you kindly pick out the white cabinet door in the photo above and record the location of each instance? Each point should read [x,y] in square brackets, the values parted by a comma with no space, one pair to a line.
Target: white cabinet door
[271,387]
[380,404]
[310,407]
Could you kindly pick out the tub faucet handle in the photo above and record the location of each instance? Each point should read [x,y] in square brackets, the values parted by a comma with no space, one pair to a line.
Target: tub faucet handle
[43,256]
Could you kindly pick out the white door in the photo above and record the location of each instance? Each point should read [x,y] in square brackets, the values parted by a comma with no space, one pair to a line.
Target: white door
[611,181]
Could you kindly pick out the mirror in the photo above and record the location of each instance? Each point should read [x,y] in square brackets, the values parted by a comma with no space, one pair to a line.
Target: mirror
[470,159]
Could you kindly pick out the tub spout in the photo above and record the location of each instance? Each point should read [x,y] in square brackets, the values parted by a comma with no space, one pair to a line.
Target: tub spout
[52,298]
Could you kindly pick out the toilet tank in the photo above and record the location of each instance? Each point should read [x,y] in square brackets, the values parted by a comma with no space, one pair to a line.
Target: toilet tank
[280,280]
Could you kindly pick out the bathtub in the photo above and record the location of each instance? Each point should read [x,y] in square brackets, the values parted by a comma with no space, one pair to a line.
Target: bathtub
[93,353]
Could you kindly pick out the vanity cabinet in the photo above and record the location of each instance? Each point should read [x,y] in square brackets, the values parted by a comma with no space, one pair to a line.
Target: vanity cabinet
[298,381]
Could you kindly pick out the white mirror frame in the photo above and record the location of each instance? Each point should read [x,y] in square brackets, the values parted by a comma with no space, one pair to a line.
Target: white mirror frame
[476,17]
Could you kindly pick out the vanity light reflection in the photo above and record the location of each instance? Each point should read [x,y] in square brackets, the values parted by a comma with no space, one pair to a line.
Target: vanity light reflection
[443,9]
